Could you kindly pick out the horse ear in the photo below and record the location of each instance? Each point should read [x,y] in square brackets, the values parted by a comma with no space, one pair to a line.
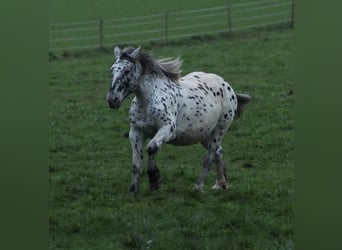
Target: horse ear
[117,52]
[135,53]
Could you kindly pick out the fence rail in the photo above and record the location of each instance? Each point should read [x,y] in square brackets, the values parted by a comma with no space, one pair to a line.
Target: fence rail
[169,25]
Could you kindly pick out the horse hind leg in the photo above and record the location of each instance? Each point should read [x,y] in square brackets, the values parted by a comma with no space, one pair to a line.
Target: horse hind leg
[211,157]
[213,145]
[221,179]
[207,162]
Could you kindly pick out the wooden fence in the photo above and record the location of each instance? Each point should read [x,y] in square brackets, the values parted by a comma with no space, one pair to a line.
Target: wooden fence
[170,25]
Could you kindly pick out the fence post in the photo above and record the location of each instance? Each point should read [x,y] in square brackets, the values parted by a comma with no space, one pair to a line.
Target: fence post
[166,26]
[292,14]
[101,33]
[229,19]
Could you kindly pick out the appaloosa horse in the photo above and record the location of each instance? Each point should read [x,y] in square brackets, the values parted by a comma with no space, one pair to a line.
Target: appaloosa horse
[198,107]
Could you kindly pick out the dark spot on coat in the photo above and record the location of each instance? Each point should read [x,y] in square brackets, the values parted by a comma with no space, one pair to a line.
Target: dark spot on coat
[206,85]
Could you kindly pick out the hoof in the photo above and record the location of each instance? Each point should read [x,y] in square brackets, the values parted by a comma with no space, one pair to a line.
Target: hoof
[198,187]
[220,186]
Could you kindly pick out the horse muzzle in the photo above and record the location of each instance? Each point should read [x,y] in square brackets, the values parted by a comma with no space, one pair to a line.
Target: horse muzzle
[114,102]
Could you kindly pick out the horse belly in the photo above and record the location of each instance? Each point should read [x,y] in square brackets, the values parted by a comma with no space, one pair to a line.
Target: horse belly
[192,128]
[189,138]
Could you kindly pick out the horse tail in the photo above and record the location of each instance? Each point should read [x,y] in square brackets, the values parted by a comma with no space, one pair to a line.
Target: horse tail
[242,100]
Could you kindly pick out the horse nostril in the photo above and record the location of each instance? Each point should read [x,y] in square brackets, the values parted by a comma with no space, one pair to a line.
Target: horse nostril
[114,102]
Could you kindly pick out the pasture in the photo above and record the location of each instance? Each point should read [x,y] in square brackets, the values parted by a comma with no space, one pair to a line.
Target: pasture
[98,24]
[78,11]
[90,156]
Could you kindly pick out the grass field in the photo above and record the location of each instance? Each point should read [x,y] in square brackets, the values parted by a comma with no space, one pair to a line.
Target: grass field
[90,161]
[85,10]
[76,24]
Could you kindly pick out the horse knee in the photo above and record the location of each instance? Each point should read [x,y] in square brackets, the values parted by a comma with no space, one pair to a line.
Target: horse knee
[152,148]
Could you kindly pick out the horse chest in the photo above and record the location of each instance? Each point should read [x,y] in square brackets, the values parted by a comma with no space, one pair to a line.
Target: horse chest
[149,118]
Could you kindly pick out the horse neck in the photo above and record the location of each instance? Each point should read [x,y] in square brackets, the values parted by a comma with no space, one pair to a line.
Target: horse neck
[149,86]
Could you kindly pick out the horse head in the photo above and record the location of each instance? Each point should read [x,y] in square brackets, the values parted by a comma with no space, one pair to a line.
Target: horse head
[126,72]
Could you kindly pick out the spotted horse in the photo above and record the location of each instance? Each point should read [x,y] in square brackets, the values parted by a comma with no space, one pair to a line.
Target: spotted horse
[196,108]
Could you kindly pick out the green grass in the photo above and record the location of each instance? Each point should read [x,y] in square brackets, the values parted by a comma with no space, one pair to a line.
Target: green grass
[85,10]
[90,157]
[137,24]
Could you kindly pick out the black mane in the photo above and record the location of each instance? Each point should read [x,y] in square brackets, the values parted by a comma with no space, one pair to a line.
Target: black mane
[168,67]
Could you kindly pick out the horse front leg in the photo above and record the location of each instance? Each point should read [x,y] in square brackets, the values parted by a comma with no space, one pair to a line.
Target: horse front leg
[137,139]
[164,135]
[153,172]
